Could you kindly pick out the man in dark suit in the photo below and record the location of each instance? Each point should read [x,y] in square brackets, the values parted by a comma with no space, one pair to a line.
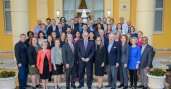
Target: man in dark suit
[79,24]
[69,57]
[22,61]
[113,60]
[73,27]
[63,22]
[85,52]
[91,27]
[147,55]
[52,28]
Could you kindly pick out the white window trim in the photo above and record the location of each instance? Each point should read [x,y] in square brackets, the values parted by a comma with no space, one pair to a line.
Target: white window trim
[162,30]
[8,9]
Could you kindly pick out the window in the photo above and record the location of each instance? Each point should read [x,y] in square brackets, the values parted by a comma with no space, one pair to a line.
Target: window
[159,16]
[7,16]
[96,8]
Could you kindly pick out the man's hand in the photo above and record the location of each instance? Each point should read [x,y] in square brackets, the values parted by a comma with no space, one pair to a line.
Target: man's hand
[19,65]
[83,59]
[147,69]
[55,67]
[117,64]
[125,65]
[67,66]
[33,66]
[102,64]
[87,59]
[137,66]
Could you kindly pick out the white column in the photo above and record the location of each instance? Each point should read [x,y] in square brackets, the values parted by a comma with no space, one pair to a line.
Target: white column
[19,18]
[145,18]
[42,10]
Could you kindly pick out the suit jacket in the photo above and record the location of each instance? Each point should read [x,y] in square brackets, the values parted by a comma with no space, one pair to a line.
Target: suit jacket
[77,27]
[147,57]
[94,29]
[50,30]
[56,56]
[86,53]
[125,53]
[64,27]
[114,55]
[21,53]
[32,54]
[69,56]
[40,60]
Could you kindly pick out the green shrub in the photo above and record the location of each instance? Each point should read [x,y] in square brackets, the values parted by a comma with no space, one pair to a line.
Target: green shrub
[157,72]
[5,74]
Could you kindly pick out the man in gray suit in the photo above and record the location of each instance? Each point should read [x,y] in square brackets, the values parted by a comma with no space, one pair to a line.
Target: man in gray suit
[147,55]
[68,54]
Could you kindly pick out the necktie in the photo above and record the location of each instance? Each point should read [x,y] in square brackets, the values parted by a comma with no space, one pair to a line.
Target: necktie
[72,47]
[80,28]
[85,44]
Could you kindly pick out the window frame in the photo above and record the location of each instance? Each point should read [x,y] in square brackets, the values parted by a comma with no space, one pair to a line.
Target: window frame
[6,10]
[159,9]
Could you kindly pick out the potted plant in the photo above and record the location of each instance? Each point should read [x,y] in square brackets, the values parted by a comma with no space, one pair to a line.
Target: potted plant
[156,79]
[7,80]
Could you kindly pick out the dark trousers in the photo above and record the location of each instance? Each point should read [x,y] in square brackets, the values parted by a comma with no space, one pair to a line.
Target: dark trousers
[70,74]
[22,76]
[89,68]
[133,77]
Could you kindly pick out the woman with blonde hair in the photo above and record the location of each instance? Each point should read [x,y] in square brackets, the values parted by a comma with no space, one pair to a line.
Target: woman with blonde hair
[100,59]
[56,55]
[44,64]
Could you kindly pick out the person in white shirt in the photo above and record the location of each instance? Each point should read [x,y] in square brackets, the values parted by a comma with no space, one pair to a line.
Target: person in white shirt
[111,21]
[124,26]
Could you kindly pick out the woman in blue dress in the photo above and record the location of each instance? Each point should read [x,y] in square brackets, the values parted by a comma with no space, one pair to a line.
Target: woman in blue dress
[134,61]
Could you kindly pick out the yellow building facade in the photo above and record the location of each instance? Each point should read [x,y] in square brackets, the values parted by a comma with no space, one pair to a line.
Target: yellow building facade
[24,14]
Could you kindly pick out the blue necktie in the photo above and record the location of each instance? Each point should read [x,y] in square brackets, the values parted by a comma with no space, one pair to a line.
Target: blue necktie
[80,28]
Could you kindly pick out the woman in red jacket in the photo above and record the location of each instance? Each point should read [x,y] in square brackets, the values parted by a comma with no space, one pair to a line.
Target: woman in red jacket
[44,64]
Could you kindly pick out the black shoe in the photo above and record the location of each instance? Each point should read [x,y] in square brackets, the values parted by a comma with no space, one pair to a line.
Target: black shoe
[33,87]
[113,88]
[135,87]
[144,87]
[27,86]
[130,86]
[89,87]
[140,86]
[38,86]
[58,87]
[125,87]
[67,87]
[120,86]
[80,86]
[107,86]
[73,86]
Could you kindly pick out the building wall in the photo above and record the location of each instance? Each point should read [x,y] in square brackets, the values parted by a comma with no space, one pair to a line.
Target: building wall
[163,40]
[5,39]
[160,40]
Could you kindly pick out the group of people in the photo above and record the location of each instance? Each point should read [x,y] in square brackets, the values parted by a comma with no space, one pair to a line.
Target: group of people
[75,48]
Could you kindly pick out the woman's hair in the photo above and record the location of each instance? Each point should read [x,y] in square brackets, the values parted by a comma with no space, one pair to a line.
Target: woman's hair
[30,42]
[29,33]
[93,34]
[134,38]
[44,42]
[42,33]
[98,38]
[118,25]
[126,36]
[62,18]
[133,28]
